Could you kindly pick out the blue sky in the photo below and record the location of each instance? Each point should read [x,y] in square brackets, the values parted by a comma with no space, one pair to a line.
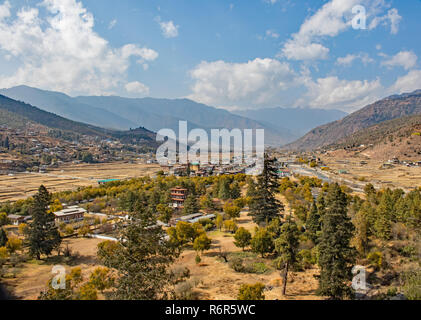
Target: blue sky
[228,54]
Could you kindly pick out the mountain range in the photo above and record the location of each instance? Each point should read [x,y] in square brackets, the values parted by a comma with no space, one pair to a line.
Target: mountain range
[393,107]
[18,114]
[154,114]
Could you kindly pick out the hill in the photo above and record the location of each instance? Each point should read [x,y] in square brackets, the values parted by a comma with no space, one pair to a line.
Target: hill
[397,138]
[18,114]
[390,108]
[298,120]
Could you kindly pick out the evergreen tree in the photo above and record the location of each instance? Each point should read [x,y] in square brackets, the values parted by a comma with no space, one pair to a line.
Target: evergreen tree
[384,214]
[264,206]
[3,238]
[287,247]
[314,224]
[142,261]
[336,256]
[7,143]
[224,192]
[191,205]
[235,191]
[362,229]
[42,235]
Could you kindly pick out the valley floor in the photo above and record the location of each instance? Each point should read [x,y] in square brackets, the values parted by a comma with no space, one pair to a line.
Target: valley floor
[22,185]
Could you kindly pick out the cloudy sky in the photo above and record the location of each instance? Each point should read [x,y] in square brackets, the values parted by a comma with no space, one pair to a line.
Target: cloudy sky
[232,54]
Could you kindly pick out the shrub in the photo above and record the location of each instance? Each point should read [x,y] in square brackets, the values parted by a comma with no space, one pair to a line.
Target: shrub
[412,285]
[237,265]
[251,292]
[376,259]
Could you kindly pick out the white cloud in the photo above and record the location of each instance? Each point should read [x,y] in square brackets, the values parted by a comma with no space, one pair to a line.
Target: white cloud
[350,58]
[112,24]
[255,82]
[62,51]
[272,34]
[392,17]
[330,20]
[349,95]
[408,83]
[168,28]
[137,87]
[405,59]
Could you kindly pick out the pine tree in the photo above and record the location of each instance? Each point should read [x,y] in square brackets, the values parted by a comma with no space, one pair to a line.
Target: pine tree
[384,214]
[3,238]
[287,247]
[362,229]
[7,143]
[336,256]
[191,205]
[142,260]
[43,236]
[314,224]
[264,206]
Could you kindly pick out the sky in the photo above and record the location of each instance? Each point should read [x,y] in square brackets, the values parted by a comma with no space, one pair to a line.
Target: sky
[231,54]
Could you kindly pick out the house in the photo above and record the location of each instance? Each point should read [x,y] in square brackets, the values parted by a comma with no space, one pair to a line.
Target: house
[70,214]
[178,196]
[17,220]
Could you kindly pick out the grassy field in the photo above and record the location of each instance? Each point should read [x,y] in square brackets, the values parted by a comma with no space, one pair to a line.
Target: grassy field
[23,185]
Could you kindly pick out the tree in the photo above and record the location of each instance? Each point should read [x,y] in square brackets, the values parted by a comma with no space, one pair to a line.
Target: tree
[230,226]
[3,219]
[14,244]
[7,143]
[202,243]
[336,257]
[206,202]
[313,224]
[56,206]
[84,230]
[262,241]
[185,232]
[286,247]
[362,229]
[219,221]
[264,206]
[384,213]
[3,237]
[142,262]
[165,212]
[191,205]
[242,238]
[43,236]
[235,191]
[231,210]
[251,292]
[224,192]
[23,228]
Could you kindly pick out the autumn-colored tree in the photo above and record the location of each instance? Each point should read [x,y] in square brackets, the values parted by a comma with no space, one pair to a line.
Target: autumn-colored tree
[242,238]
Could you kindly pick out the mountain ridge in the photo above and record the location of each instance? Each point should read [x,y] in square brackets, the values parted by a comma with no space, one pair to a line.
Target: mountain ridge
[389,108]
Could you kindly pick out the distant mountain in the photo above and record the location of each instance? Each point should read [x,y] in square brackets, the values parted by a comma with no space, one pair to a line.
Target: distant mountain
[16,114]
[153,114]
[65,106]
[298,120]
[390,108]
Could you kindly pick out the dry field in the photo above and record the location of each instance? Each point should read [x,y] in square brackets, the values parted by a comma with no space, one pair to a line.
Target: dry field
[399,176]
[217,279]
[23,185]
[33,277]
